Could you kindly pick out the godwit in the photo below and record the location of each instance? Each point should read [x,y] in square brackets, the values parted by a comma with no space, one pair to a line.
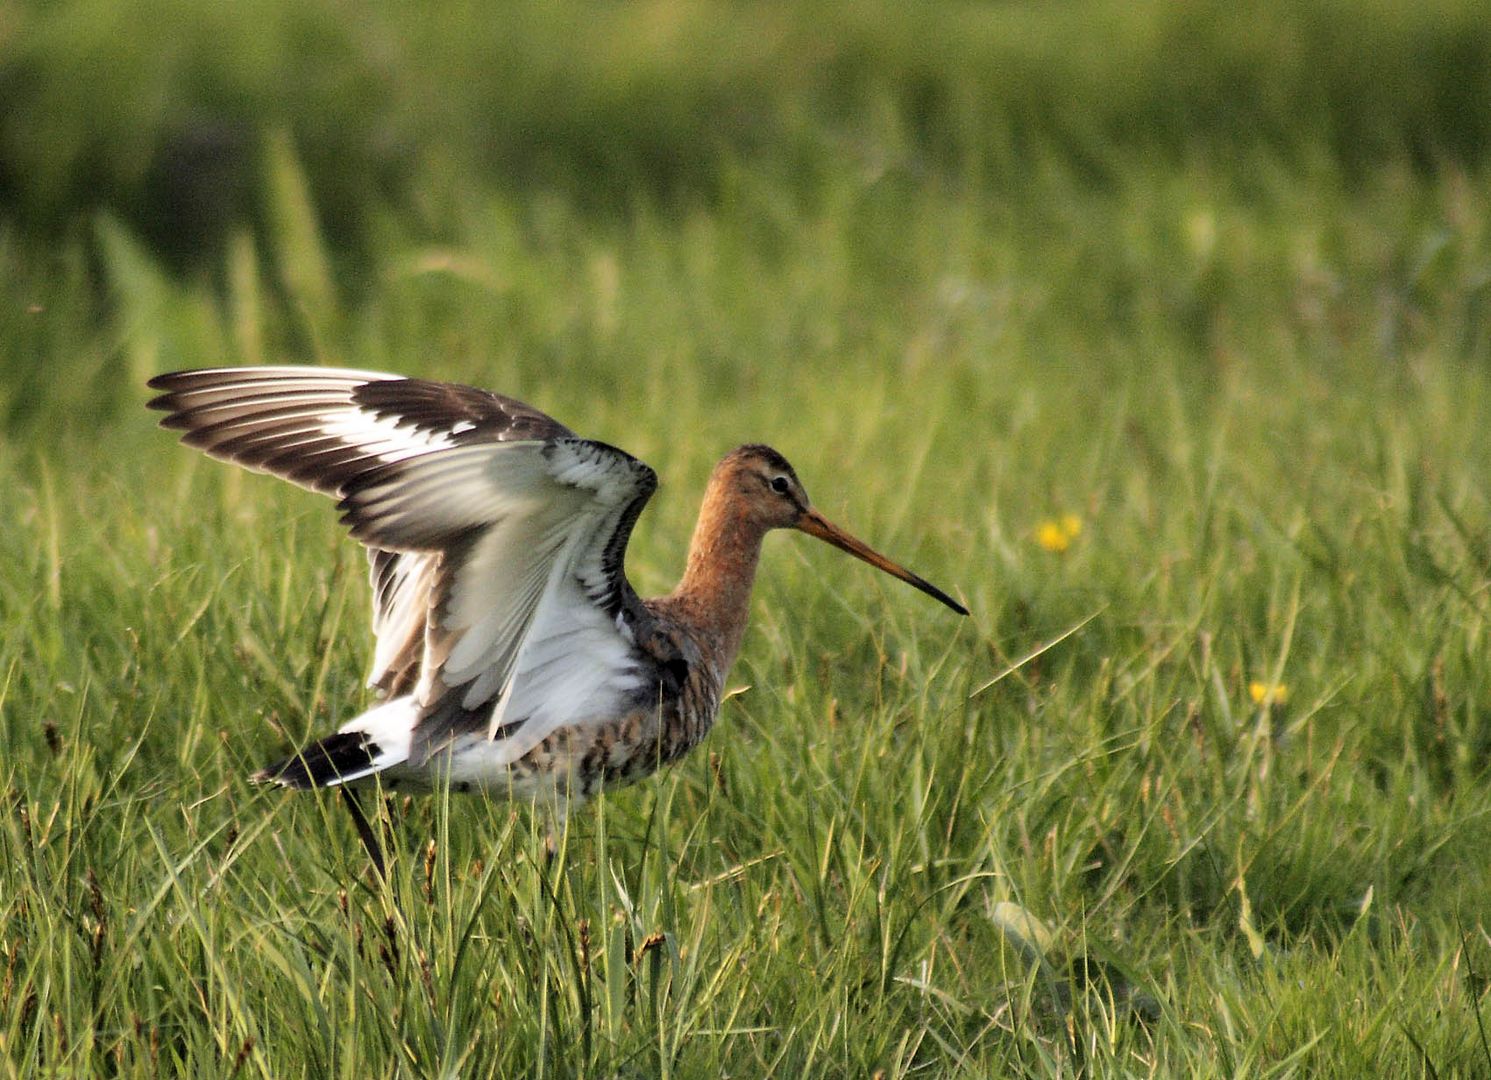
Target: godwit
[512,654]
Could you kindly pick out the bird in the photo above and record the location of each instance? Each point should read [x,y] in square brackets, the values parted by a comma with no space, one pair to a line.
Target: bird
[512,655]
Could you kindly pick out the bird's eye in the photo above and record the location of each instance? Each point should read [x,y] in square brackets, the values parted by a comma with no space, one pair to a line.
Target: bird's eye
[779,485]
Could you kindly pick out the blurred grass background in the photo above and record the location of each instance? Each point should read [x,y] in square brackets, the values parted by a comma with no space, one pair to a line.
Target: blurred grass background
[1212,280]
[157,110]
[211,140]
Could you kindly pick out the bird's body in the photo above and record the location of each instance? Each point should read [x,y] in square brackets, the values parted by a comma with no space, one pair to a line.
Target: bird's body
[512,654]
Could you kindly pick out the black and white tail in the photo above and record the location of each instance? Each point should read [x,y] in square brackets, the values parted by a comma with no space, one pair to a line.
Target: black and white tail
[336,759]
[377,740]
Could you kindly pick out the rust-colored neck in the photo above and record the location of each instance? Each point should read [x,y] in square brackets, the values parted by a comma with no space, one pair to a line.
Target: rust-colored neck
[714,597]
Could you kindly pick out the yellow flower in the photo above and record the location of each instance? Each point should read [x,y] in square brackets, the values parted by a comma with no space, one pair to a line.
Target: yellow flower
[1052,537]
[1057,534]
[1268,694]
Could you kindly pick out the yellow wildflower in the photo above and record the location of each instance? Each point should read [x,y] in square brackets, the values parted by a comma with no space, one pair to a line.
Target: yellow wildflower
[1268,694]
[1052,537]
[1057,534]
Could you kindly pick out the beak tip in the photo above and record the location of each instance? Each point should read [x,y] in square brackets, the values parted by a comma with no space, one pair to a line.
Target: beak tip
[950,602]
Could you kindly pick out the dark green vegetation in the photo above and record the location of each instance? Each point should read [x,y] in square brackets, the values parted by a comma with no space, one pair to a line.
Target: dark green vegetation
[1218,287]
[156,109]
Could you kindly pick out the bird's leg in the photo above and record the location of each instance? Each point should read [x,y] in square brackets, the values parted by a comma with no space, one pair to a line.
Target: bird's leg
[364,830]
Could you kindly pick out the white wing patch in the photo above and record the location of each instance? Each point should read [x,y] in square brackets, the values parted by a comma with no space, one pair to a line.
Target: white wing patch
[383,437]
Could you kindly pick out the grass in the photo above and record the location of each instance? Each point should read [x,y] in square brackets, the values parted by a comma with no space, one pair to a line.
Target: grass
[1060,837]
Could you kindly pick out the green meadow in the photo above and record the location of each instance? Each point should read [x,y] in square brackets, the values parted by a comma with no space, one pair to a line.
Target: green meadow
[1158,333]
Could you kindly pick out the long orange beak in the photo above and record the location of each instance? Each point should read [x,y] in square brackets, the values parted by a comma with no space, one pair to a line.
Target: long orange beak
[815,524]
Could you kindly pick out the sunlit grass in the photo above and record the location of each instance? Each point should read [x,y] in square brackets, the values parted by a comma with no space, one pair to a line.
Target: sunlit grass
[1264,403]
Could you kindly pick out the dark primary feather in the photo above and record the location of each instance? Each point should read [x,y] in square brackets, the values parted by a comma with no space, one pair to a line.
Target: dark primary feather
[439,407]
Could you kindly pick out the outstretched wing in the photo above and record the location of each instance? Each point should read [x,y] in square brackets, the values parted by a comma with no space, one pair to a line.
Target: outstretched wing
[322,428]
[496,534]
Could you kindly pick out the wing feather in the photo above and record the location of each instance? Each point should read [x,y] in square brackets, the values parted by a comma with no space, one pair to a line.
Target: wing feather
[574,653]
[402,584]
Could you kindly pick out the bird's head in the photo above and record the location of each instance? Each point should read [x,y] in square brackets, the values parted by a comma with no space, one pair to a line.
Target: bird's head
[763,487]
